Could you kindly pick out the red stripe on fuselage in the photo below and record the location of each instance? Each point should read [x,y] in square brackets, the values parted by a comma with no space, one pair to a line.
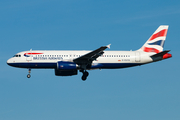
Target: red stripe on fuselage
[32,53]
[161,33]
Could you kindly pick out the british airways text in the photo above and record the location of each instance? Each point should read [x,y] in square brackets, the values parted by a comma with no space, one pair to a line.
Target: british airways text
[47,58]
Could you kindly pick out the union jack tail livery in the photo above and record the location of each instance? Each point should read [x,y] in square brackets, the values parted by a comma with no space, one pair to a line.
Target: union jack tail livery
[156,42]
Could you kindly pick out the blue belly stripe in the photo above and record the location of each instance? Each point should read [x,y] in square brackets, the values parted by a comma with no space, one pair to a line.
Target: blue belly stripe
[34,65]
[54,65]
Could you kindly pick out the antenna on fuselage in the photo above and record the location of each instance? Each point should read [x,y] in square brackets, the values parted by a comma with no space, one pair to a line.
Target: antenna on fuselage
[31,51]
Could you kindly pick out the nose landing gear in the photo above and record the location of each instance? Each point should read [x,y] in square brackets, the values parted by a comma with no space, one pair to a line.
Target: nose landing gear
[28,76]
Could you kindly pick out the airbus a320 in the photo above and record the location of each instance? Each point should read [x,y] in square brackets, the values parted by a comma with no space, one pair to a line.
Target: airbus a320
[68,63]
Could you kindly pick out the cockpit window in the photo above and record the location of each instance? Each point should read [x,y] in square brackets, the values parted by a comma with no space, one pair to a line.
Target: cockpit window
[17,56]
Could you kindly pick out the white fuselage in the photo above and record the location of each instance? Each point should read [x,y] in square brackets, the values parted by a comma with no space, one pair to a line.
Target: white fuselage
[49,59]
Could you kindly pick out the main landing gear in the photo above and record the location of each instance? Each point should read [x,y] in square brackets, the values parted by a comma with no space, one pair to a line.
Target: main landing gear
[28,76]
[85,74]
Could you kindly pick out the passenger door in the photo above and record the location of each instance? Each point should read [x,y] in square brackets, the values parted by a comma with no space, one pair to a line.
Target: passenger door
[29,56]
[137,57]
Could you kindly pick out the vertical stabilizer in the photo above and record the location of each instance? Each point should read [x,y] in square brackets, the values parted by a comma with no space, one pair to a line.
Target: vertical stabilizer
[156,42]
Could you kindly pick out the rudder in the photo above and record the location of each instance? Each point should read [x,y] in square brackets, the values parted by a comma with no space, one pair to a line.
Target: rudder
[156,42]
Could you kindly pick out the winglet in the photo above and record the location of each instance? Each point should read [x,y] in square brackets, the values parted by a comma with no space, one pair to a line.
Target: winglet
[108,46]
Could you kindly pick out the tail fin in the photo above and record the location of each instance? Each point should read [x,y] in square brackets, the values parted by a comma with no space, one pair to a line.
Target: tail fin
[156,42]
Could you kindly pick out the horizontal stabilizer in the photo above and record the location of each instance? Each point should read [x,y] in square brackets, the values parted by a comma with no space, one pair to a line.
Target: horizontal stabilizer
[161,55]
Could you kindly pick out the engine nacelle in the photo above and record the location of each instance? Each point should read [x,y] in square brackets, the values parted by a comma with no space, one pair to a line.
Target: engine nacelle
[63,65]
[65,72]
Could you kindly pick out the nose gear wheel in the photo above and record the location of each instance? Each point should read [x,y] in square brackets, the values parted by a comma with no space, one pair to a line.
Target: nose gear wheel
[29,75]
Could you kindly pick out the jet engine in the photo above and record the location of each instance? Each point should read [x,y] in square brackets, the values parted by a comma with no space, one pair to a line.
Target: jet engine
[66,68]
[63,65]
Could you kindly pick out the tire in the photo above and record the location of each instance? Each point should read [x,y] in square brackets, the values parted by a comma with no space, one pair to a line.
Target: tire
[28,76]
[84,77]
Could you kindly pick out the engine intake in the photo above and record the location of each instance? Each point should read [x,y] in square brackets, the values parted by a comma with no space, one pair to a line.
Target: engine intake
[63,65]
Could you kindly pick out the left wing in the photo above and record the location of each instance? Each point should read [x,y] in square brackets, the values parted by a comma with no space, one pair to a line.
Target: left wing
[91,56]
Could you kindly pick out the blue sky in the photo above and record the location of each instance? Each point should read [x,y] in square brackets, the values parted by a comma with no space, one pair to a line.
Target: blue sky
[147,92]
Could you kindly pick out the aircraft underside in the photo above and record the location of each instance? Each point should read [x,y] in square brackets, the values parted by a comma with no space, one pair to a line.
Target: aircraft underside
[70,72]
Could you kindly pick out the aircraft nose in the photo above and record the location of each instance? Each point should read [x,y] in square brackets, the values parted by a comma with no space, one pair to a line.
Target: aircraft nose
[9,61]
[12,62]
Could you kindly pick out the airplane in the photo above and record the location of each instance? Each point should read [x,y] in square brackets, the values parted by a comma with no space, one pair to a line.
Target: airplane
[68,63]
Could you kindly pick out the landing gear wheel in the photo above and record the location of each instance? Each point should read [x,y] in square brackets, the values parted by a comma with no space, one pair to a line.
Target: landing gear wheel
[28,76]
[29,71]
[85,74]
[84,77]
